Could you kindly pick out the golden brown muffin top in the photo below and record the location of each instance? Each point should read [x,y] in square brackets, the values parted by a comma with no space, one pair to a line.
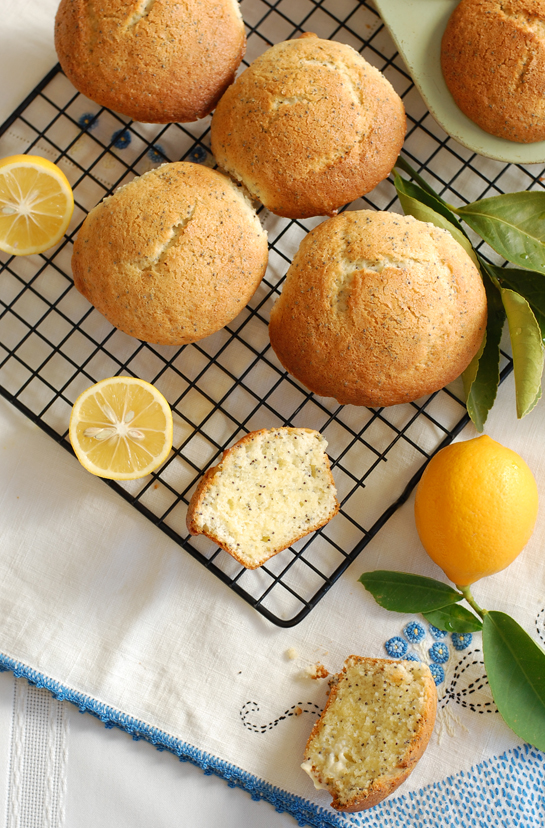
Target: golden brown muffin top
[157,61]
[493,62]
[173,256]
[378,309]
[308,127]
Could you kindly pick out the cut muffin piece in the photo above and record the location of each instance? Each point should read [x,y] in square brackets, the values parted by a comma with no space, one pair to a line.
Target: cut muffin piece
[271,488]
[374,728]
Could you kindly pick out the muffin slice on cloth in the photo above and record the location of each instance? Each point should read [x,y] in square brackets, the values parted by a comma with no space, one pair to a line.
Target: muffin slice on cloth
[374,729]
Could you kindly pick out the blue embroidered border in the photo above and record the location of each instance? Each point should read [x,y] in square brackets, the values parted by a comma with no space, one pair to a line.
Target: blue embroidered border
[504,792]
[305,812]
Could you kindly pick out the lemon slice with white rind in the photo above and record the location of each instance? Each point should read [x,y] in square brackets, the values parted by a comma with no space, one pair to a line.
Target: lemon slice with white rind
[36,204]
[121,428]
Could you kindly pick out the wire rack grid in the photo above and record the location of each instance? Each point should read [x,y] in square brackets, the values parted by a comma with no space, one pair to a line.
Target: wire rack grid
[53,344]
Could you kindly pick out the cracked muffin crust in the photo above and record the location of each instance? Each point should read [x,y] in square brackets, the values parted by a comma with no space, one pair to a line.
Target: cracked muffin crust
[378,309]
[157,61]
[493,62]
[308,127]
[173,256]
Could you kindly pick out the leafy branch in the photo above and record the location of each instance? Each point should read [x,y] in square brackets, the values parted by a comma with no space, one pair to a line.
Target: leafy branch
[514,662]
[514,226]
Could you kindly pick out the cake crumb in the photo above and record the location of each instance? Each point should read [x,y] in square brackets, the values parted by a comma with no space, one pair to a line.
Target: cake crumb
[292,653]
[317,671]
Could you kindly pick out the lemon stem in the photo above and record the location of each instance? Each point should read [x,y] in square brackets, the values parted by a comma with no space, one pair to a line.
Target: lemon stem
[466,592]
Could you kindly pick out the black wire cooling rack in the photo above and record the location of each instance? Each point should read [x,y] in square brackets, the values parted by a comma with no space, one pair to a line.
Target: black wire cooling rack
[53,344]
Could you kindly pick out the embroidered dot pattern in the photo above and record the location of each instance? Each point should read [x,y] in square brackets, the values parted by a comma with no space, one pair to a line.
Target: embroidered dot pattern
[88,121]
[438,656]
[414,632]
[197,155]
[461,640]
[438,673]
[156,154]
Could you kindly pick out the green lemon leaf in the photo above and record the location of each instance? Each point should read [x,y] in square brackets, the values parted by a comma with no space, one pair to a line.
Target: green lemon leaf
[513,225]
[454,619]
[404,165]
[470,374]
[482,376]
[515,666]
[410,197]
[403,592]
[540,319]
[414,191]
[527,347]
[527,283]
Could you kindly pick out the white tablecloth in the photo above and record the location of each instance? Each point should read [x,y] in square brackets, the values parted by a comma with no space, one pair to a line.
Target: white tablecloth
[194,682]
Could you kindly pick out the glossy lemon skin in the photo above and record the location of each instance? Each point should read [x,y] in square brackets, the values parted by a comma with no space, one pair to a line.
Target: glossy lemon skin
[475,508]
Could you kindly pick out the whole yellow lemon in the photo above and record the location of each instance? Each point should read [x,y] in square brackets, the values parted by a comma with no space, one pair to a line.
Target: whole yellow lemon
[475,509]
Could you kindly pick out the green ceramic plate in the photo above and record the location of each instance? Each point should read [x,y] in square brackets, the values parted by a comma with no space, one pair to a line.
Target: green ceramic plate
[417,27]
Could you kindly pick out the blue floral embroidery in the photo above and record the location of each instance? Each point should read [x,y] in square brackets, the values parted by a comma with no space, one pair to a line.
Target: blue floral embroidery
[439,652]
[438,673]
[198,154]
[121,139]
[88,121]
[463,678]
[414,632]
[156,154]
[461,641]
[396,647]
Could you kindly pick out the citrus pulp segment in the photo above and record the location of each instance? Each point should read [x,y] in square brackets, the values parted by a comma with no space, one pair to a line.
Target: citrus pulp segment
[36,204]
[121,428]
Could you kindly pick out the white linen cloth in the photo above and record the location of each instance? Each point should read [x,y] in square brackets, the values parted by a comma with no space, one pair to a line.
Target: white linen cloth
[101,608]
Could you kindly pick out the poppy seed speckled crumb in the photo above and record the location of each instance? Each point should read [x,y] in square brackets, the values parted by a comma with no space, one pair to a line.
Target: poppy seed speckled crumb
[374,729]
[271,488]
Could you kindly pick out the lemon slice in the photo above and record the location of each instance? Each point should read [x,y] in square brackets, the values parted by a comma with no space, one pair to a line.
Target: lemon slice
[121,428]
[36,204]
